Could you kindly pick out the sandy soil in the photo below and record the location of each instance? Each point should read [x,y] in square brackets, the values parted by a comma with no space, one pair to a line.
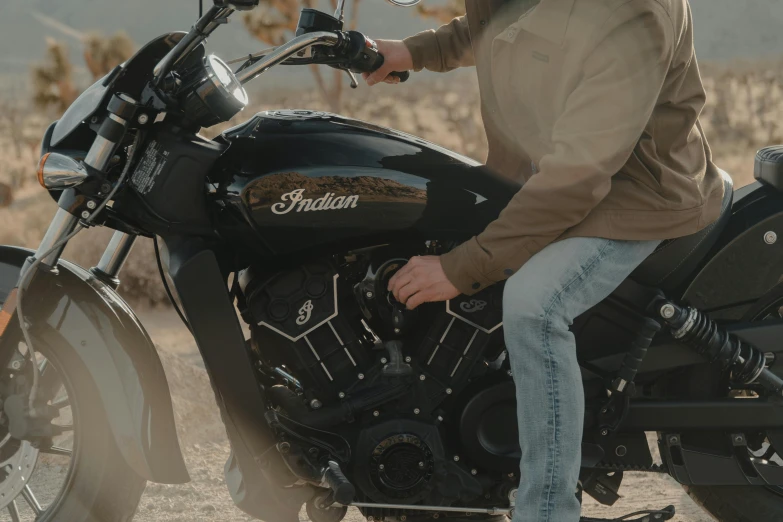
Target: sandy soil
[204,442]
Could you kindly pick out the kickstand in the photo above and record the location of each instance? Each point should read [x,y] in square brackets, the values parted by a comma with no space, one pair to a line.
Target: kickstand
[666,513]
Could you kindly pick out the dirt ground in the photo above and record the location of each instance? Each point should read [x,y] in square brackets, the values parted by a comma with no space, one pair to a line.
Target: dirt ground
[204,442]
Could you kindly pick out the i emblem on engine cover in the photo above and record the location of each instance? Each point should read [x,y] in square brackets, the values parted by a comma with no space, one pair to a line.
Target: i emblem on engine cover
[304,312]
[295,314]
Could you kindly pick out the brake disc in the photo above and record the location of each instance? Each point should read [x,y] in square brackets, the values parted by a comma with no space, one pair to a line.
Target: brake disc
[16,468]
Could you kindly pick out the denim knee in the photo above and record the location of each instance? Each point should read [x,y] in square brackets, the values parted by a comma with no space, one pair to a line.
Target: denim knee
[526,300]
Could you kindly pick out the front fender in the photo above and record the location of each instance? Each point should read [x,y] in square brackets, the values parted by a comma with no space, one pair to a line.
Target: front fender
[109,339]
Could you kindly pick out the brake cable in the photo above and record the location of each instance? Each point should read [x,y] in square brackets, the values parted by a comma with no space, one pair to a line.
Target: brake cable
[30,271]
[166,285]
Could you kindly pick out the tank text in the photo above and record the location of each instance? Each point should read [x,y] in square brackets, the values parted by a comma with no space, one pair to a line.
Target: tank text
[296,201]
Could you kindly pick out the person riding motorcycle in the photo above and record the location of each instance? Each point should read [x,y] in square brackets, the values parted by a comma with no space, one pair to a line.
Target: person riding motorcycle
[594,105]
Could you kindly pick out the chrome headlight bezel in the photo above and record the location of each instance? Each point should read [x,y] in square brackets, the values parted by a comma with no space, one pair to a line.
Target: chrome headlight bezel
[218,97]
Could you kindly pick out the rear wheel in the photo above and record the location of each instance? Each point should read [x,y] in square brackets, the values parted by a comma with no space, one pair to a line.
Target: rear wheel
[746,503]
[78,475]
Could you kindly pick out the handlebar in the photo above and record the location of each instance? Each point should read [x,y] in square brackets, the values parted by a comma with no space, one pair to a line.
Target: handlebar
[287,50]
[356,54]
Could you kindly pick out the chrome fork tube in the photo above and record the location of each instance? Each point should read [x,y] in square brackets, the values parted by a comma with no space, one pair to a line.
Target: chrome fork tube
[102,149]
[62,225]
[113,258]
[116,253]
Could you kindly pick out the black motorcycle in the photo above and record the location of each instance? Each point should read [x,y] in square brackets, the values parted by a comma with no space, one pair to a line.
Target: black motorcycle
[342,397]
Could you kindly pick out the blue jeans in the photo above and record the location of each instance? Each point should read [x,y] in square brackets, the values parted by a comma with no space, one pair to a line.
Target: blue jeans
[540,302]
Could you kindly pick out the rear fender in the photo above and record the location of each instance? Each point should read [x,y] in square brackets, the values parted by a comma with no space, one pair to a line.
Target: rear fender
[103,331]
[745,264]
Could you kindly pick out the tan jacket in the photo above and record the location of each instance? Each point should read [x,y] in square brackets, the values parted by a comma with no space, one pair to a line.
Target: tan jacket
[594,105]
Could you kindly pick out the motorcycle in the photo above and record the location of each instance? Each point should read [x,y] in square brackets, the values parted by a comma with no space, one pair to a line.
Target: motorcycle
[341,396]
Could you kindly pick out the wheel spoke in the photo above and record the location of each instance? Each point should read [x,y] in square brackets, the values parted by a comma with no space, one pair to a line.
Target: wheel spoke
[61,403]
[27,493]
[13,510]
[57,450]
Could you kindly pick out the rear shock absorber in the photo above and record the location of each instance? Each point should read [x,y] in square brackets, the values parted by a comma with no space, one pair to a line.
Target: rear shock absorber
[695,329]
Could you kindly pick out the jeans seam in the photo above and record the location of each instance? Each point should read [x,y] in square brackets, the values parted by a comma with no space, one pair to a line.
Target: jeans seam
[551,394]
[552,458]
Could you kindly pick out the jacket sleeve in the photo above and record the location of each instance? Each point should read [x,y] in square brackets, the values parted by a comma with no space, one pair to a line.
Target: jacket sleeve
[602,122]
[443,50]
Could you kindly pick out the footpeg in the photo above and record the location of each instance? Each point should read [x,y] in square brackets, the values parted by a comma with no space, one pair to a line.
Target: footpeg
[666,513]
[342,489]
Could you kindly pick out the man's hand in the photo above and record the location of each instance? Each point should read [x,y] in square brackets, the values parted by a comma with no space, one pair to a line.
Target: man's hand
[422,280]
[396,57]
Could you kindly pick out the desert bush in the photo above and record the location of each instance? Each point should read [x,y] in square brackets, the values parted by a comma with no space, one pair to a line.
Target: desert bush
[274,23]
[102,54]
[444,13]
[53,79]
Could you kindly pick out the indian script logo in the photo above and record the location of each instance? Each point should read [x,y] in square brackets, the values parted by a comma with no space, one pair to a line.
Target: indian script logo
[296,200]
[473,306]
[304,313]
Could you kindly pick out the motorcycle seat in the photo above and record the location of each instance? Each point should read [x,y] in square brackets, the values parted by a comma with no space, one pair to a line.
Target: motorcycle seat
[675,259]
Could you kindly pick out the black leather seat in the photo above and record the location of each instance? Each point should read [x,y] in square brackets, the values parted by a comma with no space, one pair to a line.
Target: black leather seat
[674,260]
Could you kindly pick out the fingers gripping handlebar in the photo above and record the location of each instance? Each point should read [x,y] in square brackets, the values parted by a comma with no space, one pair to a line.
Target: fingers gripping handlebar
[364,57]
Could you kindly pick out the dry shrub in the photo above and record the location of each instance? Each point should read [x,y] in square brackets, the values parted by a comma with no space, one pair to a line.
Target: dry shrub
[274,22]
[53,79]
[443,13]
[102,54]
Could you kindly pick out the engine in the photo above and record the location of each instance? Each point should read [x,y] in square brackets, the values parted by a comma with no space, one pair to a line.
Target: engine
[424,398]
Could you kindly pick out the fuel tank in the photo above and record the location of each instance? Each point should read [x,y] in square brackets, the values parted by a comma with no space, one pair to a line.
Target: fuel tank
[305,180]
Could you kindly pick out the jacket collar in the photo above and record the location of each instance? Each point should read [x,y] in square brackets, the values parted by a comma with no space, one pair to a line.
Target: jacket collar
[548,20]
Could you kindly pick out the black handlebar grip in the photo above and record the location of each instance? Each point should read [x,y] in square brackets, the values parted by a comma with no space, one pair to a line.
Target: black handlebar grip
[403,76]
[343,490]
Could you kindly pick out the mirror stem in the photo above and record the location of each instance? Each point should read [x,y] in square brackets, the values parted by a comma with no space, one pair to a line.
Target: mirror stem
[340,11]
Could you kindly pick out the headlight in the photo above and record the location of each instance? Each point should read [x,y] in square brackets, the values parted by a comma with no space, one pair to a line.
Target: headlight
[218,96]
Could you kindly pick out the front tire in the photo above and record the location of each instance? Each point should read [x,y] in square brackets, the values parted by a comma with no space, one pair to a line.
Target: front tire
[100,486]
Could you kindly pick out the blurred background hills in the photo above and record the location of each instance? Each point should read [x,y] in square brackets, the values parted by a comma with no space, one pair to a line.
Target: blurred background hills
[725,29]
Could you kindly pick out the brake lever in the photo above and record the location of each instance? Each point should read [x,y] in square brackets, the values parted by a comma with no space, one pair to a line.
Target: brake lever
[354,81]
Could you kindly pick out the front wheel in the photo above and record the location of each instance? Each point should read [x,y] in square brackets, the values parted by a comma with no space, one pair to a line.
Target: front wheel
[78,475]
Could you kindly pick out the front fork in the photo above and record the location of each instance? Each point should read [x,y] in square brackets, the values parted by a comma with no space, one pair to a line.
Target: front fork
[73,206]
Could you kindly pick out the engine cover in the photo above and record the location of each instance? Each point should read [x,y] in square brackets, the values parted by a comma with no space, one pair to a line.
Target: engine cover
[307,320]
[464,337]
[403,461]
